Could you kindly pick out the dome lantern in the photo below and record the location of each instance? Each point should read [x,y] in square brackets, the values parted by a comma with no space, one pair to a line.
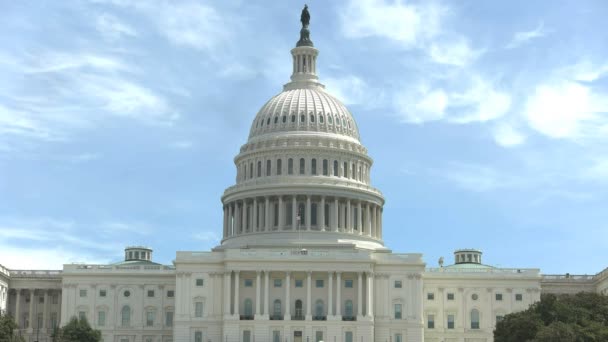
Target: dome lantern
[304,56]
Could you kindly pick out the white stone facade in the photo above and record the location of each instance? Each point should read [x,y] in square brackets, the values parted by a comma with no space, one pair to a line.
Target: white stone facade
[301,259]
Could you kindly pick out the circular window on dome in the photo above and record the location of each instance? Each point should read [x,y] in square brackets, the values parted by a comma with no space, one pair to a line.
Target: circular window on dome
[475,296]
[127,293]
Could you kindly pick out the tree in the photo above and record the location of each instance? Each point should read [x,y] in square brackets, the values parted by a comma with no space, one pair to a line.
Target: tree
[558,318]
[8,329]
[77,330]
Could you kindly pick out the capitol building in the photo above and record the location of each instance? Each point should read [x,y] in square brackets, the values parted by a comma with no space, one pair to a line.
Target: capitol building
[302,257]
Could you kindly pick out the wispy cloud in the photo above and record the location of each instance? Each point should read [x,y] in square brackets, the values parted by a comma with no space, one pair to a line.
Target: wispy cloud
[113,28]
[524,37]
[507,136]
[475,177]
[352,90]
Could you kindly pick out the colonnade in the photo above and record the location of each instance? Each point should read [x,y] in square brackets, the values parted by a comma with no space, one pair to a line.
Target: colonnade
[302,213]
[33,308]
[263,309]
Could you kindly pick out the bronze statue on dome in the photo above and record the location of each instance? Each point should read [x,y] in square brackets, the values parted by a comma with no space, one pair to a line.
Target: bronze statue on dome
[305,16]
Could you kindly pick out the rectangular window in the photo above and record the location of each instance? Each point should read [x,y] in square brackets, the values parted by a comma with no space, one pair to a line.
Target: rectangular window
[150,293]
[450,296]
[319,283]
[290,166]
[54,320]
[83,293]
[348,283]
[55,299]
[299,283]
[398,284]
[200,282]
[39,321]
[318,336]
[313,166]
[102,293]
[246,335]
[276,336]
[499,318]
[169,318]
[82,315]
[279,166]
[519,297]
[170,293]
[41,300]
[248,282]
[430,322]
[498,296]
[348,336]
[450,321]
[430,296]
[198,309]
[325,168]
[345,170]
[398,314]
[302,166]
[101,318]
[198,336]
[398,338]
[278,282]
[150,316]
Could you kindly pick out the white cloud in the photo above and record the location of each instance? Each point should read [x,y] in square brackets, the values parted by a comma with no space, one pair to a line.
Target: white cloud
[475,177]
[112,28]
[507,136]
[523,37]
[408,24]
[454,51]
[565,110]
[352,90]
[44,258]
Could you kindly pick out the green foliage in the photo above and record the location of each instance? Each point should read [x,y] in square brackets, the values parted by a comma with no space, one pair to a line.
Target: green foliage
[77,330]
[8,329]
[558,318]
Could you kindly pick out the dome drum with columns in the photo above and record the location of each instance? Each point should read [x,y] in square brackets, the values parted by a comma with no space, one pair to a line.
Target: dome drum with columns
[303,177]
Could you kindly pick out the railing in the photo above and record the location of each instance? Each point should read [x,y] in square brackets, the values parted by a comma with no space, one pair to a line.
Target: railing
[522,271]
[276,317]
[319,318]
[246,317]
[35,273]
[349,318]
[569,277]
[110,268]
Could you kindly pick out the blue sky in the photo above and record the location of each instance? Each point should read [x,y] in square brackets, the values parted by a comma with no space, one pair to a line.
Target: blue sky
[487,122]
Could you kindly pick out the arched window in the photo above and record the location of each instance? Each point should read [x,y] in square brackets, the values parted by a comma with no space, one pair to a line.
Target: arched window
[284,118]
[348,308]
[474,319]
[248,307]
[353,171]
[299,313]
[261,122]
[313,166]
[319,309]
[302,165]
[290,166]
[268,121]
[312,118]
[321,118]
[268,167]
[345,171]
[279,167]
[325,168]
[293,118]
[250,170]
[330,119]
[276,119]
[302,118]
[259,169]
[302,213]
[313,214]
[336,168]
[126,316]
[276,309]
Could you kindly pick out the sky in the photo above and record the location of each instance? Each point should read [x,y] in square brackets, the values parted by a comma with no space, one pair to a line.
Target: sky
[487,122]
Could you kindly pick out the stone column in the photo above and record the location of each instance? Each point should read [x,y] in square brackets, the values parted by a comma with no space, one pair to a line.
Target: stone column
[339,294]
[308,214]
[225,222]
[237,218]
[322,213]
[237,285]
[227,291]
[335,215]
[294,214]
[374,227]
[349,219]
[230,220]
[359,218]
[17,308]
[370,294]
[254,223]
[32,299]
[308,295]
[267,214]
[287,296]
[330,297]
[45,309]
[359,294]
[281,214]
[266,300]
[257,293]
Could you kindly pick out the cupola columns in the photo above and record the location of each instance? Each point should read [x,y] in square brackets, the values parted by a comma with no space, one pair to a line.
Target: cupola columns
[304,74]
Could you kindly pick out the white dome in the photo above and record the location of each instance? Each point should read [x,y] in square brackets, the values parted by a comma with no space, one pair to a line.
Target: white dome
[307,109]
